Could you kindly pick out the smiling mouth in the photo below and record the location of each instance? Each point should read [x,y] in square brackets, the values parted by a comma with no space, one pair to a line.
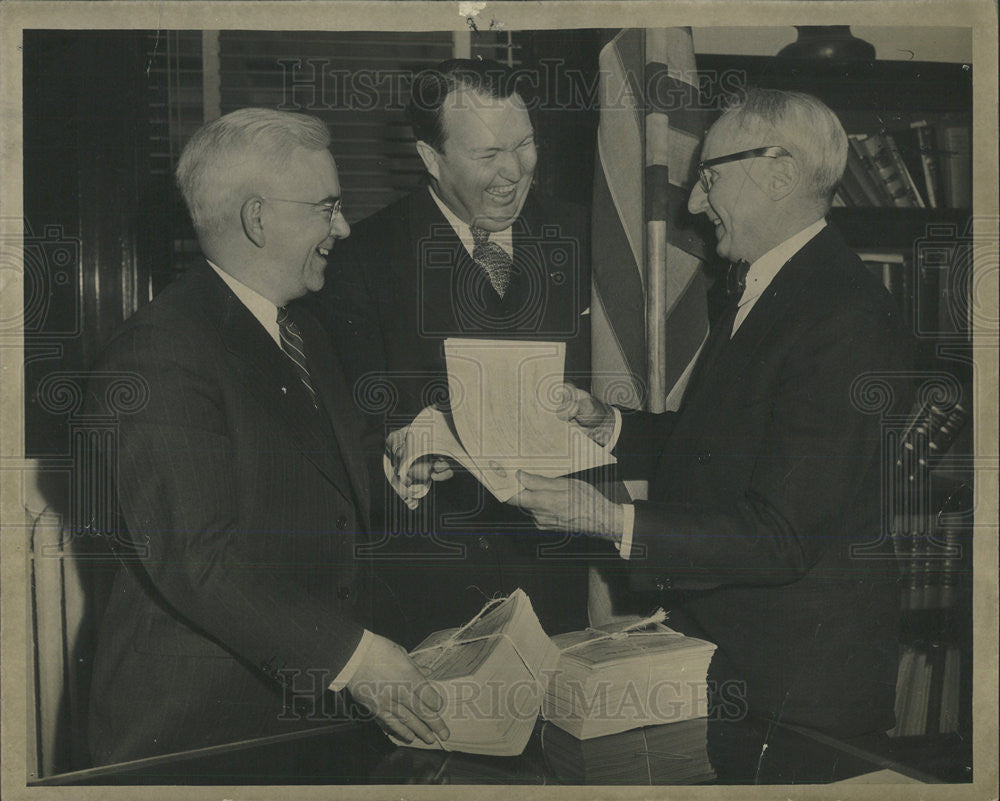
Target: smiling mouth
[502,193]
[324,252]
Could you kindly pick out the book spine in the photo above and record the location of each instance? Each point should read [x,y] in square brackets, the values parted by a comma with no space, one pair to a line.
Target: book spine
[907,274]
[902,169]
[928,162]
[881,159]
[950,691]
[928,300]
[958,152]
[857,147]
[859,182]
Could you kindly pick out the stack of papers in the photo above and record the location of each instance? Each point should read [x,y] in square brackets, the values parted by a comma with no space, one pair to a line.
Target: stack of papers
[673,754]
[491,674]
[619,677]
[503,400]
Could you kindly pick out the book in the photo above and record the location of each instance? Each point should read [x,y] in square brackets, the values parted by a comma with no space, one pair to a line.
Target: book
[957,166]
[672,754]
[862,157]
[888,267]
[502,417]
[950,691]
[902,169]
[627,675]
[491,673]
[928,161]
[859,183]
[886,170]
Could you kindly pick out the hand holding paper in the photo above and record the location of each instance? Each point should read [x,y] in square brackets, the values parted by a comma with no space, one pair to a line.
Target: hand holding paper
[594,417]
[391,687]
[503,417]
[415,483]
[566,504]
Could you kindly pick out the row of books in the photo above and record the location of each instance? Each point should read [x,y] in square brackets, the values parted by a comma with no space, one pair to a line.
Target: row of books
[921,167]
[931,286]
[929,535]
[930,569]
[928,691]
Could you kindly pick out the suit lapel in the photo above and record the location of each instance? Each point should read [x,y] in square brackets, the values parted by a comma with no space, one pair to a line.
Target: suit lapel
[444,274]
[331,383]
[742,352]
[268,375]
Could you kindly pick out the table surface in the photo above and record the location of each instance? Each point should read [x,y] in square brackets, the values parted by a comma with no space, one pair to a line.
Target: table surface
[693,752]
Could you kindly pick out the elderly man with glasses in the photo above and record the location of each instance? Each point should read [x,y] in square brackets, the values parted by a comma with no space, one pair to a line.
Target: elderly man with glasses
[767,479]
[240,477]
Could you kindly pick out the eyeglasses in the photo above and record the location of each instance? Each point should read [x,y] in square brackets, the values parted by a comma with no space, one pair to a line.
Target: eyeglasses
[329,207]
[707,176]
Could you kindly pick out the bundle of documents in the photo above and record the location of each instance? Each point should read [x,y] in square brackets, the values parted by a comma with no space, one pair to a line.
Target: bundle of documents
[627,675]
[502,417]
[676,753]
[491,674]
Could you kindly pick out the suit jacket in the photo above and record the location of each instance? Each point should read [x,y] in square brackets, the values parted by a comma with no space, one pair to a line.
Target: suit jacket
[761,483]
[244,505]
[399,286]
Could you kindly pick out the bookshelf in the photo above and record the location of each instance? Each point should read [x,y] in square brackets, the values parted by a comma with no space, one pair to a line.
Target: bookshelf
[923,255]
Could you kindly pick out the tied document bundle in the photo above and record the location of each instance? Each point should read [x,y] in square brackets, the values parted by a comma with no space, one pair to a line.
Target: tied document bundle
[502,418]
[500,670]
[626,675]
[491,674]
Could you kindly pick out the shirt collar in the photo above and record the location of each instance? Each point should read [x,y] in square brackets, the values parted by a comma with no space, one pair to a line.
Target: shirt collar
[762,271]
[504,238]
[259,306]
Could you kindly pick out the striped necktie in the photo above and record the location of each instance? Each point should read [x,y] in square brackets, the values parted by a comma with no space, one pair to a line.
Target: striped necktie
[291,344]
[492,258]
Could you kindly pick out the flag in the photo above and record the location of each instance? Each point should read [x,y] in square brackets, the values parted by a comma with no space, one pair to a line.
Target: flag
[648,301]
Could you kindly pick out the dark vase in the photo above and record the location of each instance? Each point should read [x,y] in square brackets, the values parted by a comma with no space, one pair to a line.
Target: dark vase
[828,43]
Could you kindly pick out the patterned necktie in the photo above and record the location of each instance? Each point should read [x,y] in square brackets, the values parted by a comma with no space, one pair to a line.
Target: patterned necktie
[291,344]
[492,258]
[736,279]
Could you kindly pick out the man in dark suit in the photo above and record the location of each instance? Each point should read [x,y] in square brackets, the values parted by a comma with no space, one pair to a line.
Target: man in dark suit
[769,473]
[242,480]
[476,253]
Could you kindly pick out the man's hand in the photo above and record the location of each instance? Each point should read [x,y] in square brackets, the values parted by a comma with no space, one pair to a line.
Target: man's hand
[566,504]
[594,417]
[390,686]
[417,481]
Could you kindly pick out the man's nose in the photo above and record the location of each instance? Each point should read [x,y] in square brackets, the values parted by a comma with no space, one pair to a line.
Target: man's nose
[698,201]
[340,228]
[509,166]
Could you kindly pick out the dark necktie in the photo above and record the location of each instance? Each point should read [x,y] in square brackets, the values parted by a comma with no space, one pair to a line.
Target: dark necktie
[291,344]
[736,279]
[722,331]
[492,258]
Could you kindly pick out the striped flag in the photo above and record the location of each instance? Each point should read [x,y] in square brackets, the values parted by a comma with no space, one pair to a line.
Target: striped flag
[648,305]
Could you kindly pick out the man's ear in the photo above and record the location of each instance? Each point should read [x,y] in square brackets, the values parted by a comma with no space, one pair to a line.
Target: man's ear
[250,216]
[429,156]
[784,177]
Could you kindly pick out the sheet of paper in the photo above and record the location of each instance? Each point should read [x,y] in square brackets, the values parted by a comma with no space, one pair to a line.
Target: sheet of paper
[504,396]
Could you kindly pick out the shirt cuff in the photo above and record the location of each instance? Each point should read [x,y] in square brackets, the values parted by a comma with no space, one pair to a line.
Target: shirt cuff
[628,523]
[348,671]
[617,431]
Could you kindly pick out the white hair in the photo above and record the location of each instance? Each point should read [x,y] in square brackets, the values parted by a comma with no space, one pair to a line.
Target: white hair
[802,124]
[219,161]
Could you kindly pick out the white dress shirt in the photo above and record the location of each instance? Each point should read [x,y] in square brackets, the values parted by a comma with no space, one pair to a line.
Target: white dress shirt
[759,277]
[504,238]
[267,315]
